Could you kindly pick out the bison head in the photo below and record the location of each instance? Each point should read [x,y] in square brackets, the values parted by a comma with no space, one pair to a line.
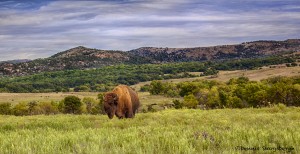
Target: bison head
[110,104]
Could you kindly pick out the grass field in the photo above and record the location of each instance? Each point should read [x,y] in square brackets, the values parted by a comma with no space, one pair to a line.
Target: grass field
[168,131]
[15,98]
[42,97]
[254,75]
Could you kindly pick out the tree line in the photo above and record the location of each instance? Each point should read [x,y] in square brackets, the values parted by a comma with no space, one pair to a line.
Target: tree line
[236,93]
[103,79]
[69,105]
[204,94]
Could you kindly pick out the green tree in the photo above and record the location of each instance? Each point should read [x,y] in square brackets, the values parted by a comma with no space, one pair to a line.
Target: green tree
[255,94]
[72,104]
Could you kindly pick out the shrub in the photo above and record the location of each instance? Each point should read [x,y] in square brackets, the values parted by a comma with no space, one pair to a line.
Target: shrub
[99,108]
[294,64]
[213,99]
[156,87]
[20,109]
[145,88]
[235,102]
[33,108]
[61,106]
[5,108]
[172,93]
[177,104]
[48,108]
[92,106]
[82,88]
[190,101]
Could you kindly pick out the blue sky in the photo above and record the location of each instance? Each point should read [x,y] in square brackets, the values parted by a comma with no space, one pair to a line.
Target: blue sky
[32,29]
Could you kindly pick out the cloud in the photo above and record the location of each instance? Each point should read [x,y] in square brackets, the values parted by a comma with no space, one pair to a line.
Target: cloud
[38,30]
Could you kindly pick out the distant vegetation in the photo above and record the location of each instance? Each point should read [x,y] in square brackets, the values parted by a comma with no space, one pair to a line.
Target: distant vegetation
[68,105]
[236,93]
[103,79]
[198,94]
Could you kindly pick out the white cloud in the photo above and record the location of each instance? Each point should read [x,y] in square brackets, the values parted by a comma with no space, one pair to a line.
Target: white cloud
[126,25]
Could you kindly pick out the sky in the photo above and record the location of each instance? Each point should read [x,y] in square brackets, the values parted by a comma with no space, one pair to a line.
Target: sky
[31,29]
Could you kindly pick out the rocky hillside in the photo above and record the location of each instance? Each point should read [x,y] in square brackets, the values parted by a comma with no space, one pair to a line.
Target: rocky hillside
[75,58]
[244,50]
[16,61]
[86,58]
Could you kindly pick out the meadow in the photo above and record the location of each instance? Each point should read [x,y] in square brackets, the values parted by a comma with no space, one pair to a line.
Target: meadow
[273,129]
[15,98]
[265,130]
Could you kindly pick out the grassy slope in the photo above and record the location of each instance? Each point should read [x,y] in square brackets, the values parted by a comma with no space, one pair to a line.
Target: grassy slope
[168,131]
[254,75]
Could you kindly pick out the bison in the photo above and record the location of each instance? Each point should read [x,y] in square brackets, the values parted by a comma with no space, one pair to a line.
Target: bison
[122,101]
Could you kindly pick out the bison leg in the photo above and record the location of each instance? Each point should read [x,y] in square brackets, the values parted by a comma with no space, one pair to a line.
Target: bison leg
[129,114]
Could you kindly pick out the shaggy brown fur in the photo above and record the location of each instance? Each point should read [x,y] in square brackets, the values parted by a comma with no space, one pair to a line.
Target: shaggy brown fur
[122,102]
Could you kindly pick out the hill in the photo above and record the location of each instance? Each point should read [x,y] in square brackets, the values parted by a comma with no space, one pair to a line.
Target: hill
[87,58]
[75,58]
[244,50]
[16,61]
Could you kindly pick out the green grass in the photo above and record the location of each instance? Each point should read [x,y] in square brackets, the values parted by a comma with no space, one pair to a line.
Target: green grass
[168,131]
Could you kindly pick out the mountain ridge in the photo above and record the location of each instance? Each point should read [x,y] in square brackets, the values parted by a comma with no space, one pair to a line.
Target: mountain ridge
[87,58]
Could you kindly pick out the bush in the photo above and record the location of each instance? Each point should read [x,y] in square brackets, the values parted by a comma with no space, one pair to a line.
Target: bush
[190,101]
[33,108]
[172,93]
[177,104]
[99,108]
[72,104]
[294,64]
[5,108]
[48,108]
[20,109]
[235,102]
[82,88]
[156,87]
[145,88]
[92,106]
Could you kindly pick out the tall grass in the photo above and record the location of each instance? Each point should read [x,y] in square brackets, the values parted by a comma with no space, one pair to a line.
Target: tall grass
[168,131]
